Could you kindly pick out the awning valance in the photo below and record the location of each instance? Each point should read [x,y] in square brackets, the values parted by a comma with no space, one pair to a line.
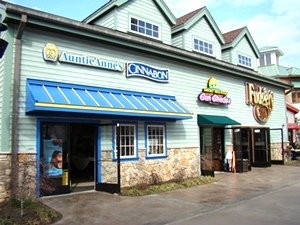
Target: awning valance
[215,120]
[46,96]
[292,126]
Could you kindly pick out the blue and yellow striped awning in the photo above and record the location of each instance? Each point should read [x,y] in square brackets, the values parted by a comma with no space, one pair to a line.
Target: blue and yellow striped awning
[50,96]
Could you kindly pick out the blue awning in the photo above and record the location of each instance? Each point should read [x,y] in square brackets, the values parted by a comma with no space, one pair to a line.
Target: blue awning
[47,96]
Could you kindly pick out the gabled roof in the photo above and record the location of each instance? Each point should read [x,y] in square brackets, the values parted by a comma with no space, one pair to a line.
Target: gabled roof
[267,49]
[187,21]
[232,38]
[275,70]
[112,4]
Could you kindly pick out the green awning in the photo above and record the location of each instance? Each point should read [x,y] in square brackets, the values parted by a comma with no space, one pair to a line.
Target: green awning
[215,120]
[296,84]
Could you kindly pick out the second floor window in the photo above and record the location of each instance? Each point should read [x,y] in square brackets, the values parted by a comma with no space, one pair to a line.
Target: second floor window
[296,96]
[144,28]
[204,47]
[244,60]
[265,59]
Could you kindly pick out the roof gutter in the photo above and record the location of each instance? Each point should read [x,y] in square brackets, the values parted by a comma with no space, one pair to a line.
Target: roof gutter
[62,24]
[289,90]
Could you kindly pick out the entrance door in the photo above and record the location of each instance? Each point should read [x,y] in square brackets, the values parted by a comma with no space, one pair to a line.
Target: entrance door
[242,146]
[261,155]
[207,167]
[55,159]
[83,146]
[67,157]
[217,148]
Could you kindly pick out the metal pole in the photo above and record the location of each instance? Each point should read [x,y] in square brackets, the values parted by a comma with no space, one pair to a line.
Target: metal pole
[118,157]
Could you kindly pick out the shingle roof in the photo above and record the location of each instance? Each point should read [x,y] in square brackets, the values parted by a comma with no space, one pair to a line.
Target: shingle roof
[231,35]
[183,19]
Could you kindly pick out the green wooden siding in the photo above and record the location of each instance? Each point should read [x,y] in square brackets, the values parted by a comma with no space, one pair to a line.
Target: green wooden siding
[202,31]
[244,48]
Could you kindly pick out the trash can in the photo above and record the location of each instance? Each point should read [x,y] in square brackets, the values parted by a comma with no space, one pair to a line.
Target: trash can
[293,155]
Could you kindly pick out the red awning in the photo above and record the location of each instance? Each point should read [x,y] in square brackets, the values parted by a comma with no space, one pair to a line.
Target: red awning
[293,126]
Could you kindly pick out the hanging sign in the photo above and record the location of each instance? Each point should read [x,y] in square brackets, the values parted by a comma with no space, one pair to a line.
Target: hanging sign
[262,101]
[212,94]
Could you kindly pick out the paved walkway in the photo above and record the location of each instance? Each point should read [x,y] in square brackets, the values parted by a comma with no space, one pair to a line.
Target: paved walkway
[166,208]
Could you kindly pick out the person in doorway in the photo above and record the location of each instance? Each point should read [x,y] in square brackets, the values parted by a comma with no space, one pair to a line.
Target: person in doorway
[229,160]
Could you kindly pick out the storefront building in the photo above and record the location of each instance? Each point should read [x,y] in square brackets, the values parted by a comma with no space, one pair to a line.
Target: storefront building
[132,95]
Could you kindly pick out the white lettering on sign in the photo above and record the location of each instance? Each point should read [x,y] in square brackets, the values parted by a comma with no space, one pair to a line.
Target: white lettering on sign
[146,71]
[90,61]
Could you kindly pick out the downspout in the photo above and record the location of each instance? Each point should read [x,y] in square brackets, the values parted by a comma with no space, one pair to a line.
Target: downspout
[289,90]
[15,104]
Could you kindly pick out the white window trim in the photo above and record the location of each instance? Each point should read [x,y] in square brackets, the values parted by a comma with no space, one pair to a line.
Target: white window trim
[164,141]
[196,50]
[134,144]
[239,54]
[146,21]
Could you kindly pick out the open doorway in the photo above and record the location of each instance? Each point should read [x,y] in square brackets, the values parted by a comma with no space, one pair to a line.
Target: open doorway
[82,157]
[67,157]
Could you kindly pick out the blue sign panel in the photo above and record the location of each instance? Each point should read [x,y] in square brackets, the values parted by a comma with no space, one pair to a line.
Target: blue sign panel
[146,71]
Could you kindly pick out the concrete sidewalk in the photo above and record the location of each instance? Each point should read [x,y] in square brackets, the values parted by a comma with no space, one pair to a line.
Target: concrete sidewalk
[103,208]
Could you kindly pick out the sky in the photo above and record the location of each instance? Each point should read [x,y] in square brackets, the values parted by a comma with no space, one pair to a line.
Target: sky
[270,22]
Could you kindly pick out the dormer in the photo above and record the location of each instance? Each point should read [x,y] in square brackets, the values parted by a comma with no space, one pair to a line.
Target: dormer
[198,32]
[269,55]
[144,18]
[240,49]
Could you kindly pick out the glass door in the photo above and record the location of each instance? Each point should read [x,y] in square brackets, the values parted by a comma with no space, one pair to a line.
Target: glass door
[261,151]
[237,165]
[207,164]
[217,148]
[55,159]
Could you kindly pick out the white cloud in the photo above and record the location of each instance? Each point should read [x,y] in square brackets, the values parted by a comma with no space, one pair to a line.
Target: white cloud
[276,25]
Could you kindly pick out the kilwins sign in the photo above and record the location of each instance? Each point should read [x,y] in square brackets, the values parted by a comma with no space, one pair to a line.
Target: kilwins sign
[262,101]
[213,95]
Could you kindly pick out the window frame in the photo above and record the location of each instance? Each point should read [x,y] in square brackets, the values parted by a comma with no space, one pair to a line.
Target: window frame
[135,141]
[294,96]
[204,42]
[265,59]
[146,22]
[246,57]
[164,154]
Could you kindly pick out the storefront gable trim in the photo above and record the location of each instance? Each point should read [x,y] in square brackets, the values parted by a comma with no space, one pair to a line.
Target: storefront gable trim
[63,97]
[215,120]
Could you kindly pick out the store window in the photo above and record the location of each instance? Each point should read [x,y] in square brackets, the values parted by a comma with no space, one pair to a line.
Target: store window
[155,140]
[296,96]
[244,60]
[145,28]
[128,141]
[203,47]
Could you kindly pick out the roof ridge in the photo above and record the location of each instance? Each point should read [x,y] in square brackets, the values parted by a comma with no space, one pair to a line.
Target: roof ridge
[183,19]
